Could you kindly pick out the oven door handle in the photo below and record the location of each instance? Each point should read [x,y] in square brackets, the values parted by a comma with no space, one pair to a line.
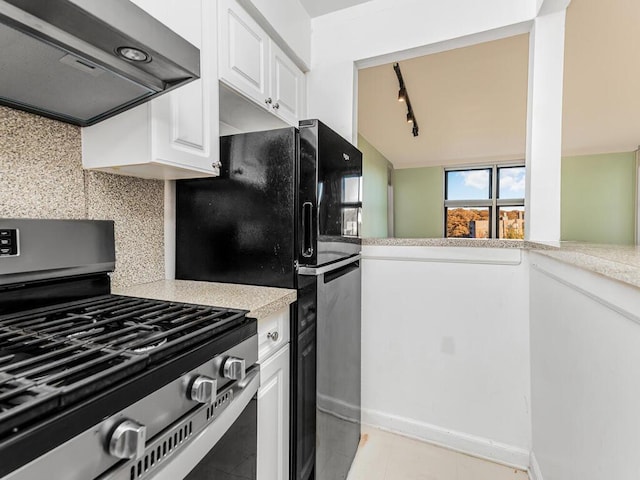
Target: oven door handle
[189,456]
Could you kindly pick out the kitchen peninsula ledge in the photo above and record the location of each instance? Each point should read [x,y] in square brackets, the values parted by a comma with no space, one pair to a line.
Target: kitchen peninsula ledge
[617,262]
[260,301]
[454,242]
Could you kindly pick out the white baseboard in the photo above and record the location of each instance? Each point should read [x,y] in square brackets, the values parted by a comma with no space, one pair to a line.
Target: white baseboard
[338,408]
[534,469]
[462,442]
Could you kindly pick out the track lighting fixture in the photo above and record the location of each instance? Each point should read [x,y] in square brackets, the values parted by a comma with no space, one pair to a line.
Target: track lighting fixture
[403,96]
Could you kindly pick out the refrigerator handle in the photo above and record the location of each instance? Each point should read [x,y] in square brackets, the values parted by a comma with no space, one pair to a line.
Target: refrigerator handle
[307,229]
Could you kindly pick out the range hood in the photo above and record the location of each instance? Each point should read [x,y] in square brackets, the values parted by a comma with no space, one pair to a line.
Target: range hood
[82,61]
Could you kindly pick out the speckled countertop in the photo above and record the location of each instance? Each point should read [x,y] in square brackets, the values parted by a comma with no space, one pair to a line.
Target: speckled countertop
[619,262]
[453,242]
[260,301]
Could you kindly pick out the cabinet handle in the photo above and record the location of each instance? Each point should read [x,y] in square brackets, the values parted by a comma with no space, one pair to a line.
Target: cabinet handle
[273,336]
[216,164]
[276,106]
[268,101]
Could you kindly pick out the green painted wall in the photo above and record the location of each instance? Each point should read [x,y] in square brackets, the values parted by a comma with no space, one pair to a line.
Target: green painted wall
[598,197]
[374,190]
[418,208]
[597,205]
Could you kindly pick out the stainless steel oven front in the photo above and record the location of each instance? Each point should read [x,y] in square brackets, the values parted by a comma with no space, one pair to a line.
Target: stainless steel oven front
[226,449]
[215,441]
[184,430]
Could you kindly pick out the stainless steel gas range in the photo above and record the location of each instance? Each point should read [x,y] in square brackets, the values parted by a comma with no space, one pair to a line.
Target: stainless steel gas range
[100,386]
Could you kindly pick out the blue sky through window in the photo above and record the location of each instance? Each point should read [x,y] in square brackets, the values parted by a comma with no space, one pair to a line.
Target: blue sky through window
[468,184]
[475,184]
[512,181]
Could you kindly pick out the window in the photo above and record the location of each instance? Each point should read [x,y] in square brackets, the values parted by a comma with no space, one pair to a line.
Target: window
[485,202]
[351,205]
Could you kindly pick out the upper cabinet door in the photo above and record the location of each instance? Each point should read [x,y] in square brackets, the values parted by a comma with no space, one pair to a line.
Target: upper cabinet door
[182,120]
[287,87]
[252,65]
[243,53]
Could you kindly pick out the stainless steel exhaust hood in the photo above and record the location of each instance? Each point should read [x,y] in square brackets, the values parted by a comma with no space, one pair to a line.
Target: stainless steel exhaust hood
[82,61]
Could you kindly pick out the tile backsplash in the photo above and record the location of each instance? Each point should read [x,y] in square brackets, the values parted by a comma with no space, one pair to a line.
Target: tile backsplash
[41,176]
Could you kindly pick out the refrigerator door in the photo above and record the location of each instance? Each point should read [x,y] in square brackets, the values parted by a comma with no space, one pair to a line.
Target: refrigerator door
[240,227]
[338,347]
[330,198]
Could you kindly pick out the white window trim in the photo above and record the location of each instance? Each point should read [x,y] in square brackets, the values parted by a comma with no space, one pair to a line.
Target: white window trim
[494,202]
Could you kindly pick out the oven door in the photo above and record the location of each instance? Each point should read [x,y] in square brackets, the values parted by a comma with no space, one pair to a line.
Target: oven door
[234,456]
[226,449]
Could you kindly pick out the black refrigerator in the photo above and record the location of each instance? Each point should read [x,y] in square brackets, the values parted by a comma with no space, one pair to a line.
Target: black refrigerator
[285,212]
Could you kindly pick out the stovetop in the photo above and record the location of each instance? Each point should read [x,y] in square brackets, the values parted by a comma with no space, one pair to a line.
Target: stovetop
[55,356]
[72,356]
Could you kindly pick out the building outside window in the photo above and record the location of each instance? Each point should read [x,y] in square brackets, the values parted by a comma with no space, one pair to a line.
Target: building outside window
[485,202]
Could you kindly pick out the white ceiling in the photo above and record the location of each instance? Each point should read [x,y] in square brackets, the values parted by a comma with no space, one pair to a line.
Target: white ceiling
[470,103]
[315,8]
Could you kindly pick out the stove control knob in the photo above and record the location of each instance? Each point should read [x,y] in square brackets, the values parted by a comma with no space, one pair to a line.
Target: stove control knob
[202,389]
[128,440]
[234,368]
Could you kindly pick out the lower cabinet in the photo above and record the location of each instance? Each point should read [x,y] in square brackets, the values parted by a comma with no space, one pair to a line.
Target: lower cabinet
[273,417]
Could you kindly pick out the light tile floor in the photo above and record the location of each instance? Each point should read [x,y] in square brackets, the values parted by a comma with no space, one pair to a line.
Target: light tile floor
[385,456]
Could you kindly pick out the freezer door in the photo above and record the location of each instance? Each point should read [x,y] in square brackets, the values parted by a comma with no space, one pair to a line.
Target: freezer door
[330,202]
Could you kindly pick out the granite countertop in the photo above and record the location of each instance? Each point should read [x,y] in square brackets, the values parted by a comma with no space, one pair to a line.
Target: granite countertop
[618,262]
[453,242]
[260,301]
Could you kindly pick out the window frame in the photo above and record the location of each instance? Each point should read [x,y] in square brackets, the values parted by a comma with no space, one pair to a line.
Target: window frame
[344,205]
[493,202]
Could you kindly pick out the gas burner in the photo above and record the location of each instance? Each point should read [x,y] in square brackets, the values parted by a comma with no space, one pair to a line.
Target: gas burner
[144,333]
[55,356]
[79,335]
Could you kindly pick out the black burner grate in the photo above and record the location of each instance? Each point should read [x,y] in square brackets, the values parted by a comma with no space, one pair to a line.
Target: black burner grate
[52,357]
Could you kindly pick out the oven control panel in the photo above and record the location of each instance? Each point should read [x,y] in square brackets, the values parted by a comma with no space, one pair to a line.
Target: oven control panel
[8,242]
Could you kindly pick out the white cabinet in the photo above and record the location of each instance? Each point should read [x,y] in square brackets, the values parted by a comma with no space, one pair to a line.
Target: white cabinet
[273,397]
[273,417]
[176,135]
[287,86]
[244,52]
[273,334]
[253,65]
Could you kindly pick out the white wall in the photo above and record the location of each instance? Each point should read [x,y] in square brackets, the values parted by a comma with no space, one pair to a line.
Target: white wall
[544,127]
[380,30]
[585,348]
[445,347]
